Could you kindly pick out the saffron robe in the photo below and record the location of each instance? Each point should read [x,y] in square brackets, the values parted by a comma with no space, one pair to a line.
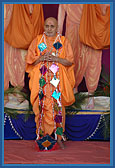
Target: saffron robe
[67,82]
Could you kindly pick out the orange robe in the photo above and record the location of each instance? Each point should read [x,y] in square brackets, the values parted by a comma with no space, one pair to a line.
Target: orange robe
[87,59]
[67,81]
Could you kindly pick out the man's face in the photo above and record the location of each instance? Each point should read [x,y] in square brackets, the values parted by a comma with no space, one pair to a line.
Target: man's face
[50,27]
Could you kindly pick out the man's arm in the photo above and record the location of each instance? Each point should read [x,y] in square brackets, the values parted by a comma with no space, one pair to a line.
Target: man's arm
[50,58]
[67,61]
[40,59]
[62,61]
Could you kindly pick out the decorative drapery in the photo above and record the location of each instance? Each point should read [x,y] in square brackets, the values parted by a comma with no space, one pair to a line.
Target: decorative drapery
[24,26]
[17,21]
[87,60]
[85,127]
[78,127]
[94,28]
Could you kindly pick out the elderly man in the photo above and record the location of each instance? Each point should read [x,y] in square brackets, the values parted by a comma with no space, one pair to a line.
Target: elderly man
[49,63]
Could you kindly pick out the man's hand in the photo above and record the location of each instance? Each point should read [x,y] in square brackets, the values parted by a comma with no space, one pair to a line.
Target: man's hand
[48,57]
[52,58]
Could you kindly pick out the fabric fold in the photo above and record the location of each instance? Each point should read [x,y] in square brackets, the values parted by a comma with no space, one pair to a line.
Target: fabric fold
[23,26]
[94,28]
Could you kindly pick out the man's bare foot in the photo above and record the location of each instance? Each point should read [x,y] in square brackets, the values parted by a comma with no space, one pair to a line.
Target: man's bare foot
[64,137]
[61,144]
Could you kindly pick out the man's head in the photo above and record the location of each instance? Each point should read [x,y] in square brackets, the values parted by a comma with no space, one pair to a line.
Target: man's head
[50,26]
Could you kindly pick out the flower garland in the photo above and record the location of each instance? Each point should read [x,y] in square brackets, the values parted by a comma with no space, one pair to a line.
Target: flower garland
[47,69]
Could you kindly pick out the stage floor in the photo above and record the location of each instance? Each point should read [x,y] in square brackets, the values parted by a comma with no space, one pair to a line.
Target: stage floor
[76,152]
